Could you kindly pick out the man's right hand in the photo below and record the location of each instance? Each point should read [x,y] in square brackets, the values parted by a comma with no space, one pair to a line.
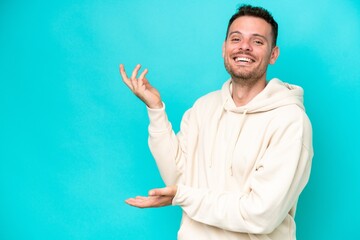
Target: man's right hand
[141,87]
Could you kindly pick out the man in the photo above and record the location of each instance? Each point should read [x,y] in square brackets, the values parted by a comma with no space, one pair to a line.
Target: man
[243,154]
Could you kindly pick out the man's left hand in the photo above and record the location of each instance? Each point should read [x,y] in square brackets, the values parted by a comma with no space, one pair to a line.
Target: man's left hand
[159,197]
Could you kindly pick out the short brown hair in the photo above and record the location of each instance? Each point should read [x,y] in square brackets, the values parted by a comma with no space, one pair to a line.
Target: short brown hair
[248,10]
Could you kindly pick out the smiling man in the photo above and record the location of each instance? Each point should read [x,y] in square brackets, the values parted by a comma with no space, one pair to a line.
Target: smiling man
[243,154]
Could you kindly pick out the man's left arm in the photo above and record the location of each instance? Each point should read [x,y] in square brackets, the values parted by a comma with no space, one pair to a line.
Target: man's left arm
[275,186]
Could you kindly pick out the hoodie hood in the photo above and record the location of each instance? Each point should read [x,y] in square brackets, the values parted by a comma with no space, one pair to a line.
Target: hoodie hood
[276,94]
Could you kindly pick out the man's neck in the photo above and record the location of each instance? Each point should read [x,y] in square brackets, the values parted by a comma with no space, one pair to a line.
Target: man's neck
[242,94]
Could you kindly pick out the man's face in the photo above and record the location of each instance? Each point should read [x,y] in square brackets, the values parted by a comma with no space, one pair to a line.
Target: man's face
[248,50]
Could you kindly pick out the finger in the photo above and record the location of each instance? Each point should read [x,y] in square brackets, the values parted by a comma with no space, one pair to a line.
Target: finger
[140,82]
[138,199]
[135,71]
[132,202]
[166,191]
[122,71]
[141,202]
[141,198]
[143,74]
[133,80]
[124,77]
[150,202]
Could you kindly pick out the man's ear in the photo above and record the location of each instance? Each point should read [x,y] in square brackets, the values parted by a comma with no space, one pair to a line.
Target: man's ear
[275,52]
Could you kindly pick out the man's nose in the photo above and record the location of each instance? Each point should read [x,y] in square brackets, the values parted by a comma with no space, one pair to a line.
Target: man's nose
[245,45]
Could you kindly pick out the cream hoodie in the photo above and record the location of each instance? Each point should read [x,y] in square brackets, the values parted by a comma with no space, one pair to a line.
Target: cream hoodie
[239,170]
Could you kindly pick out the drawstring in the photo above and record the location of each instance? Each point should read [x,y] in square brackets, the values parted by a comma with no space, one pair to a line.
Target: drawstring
[231,149]
[233,144]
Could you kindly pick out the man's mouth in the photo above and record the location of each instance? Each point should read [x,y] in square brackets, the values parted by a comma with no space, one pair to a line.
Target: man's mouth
[243,59]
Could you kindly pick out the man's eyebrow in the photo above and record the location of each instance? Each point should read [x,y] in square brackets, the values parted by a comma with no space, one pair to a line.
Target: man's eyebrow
[233,32]
[259,35]
[255,34]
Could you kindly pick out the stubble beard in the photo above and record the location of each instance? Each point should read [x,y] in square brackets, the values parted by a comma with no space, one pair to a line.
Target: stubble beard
[245,78]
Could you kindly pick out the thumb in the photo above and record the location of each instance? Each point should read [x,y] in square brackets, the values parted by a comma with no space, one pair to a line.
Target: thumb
[157,192]
[166,191]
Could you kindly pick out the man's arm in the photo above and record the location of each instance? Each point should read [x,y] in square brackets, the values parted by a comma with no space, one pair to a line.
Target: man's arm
[260,211]
[273,191]
[170,150]
[274,188]
[163,142]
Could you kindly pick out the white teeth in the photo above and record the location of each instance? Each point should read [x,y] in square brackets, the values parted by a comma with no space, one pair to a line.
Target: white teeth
[242,59]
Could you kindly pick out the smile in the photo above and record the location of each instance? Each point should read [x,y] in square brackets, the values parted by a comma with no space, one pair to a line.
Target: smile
[243,59]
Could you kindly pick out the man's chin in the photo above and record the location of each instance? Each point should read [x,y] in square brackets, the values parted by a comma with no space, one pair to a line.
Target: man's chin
[242,76]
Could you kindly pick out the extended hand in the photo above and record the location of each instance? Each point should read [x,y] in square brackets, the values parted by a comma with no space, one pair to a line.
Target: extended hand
[157,198]
[141,87]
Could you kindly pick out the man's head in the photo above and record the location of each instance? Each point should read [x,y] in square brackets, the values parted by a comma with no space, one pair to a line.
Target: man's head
[248,10]
[250,45]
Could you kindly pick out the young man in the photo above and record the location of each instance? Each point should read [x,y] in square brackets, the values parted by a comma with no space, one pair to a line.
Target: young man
[243,154]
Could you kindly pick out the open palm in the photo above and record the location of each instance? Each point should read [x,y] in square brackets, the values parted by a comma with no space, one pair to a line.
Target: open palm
[141,87]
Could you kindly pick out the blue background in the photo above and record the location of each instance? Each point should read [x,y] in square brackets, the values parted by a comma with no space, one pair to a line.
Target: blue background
[74,138]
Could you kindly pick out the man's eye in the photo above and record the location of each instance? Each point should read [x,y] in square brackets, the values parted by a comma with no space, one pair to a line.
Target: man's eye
[235,39]
[257,42]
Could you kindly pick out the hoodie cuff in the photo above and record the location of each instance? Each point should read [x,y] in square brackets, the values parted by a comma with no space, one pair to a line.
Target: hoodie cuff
[179,196]
[186,196]
[158,119]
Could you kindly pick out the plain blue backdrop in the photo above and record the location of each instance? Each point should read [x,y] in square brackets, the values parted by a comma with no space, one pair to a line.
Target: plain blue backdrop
[73,139]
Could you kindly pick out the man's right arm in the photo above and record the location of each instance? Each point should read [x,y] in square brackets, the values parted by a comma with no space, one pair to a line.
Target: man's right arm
[168,149]
[164,144]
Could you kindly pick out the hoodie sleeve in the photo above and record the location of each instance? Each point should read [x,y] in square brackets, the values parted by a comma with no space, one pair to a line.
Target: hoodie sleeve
[275,185]
[167,148]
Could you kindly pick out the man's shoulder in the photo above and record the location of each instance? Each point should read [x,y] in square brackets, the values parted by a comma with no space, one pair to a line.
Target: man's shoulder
[211,98]
[207,105]
[289,115]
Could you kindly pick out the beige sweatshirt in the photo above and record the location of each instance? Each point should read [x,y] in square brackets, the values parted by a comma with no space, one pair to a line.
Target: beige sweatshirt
[239,170]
